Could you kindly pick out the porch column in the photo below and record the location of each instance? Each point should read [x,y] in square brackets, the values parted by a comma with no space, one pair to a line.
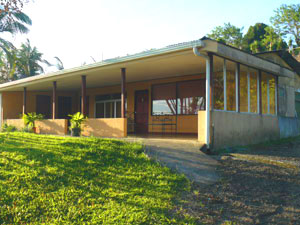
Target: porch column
[54,101]
[209,97]
[123,87]
[24,100]
[83,95]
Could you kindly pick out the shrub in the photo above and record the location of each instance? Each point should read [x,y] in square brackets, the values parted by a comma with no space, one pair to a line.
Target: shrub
[8,128]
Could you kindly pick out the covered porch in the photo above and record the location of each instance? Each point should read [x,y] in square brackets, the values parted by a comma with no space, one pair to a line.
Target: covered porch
[149,97]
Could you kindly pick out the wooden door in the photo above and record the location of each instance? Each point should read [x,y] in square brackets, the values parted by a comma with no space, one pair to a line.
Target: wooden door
[141,111]
[43,105]
[64,107]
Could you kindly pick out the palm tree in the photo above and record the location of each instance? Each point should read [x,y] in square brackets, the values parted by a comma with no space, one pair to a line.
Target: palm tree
[59,64]
[29,59]
[14,22]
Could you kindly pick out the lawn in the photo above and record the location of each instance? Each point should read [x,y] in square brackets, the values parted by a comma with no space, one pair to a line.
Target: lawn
[60,180]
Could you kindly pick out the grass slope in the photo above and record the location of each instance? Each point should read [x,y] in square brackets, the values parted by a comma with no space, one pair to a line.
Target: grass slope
[55,180]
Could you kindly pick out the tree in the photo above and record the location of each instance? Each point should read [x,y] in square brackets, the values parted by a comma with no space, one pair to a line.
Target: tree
[12,5]
[18,23]
[229,34]
[8,64]
[272,40]
[59,64]
[287,21]
[254,33]
[29,61]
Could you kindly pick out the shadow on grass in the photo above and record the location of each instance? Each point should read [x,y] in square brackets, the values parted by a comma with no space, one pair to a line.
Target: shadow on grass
[101,170]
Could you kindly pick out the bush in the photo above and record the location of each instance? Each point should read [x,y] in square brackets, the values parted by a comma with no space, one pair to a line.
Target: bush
[27,130]
[8,128]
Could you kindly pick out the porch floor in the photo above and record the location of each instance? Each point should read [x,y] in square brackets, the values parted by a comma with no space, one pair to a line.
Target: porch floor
[181,153]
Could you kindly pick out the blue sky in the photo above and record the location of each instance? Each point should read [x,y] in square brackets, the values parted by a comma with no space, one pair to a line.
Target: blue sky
[76,30]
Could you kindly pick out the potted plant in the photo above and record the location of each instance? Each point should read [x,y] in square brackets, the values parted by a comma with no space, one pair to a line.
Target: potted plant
[29,120]
[76,120]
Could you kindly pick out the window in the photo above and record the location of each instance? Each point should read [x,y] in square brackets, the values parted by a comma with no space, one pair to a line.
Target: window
[230,85]
[264,93]
[183,98]
[243,89]
[164,99]
[218,83]
[253,90]
[272,103]
[108,106]
[268,86]
[191,97]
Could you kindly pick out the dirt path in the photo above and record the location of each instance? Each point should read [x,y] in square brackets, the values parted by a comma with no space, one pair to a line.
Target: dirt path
[251,191]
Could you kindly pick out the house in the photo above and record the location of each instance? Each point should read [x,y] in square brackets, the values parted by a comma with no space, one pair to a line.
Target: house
[220,94]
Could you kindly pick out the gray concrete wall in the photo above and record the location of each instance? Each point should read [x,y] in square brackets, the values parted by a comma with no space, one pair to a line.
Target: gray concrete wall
[288,126]
[233,129]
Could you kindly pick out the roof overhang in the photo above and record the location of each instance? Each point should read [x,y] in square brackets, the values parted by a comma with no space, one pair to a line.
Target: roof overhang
[171,61]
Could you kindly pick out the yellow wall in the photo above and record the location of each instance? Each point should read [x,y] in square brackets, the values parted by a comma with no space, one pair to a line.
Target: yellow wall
[202,127]
[185,123]
[18,123]
[116,127]
[58,126]
[12,102]
[233,129]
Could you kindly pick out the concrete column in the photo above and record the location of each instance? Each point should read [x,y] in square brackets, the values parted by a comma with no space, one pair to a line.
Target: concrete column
[83,95]
[123,88]
[24,100]
[54,101]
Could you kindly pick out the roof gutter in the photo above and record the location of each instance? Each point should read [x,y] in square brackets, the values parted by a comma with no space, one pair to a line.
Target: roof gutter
[207,110]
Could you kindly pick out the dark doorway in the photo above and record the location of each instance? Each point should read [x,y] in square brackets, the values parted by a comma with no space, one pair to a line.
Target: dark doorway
[64,107]
[43,105]
[141,111]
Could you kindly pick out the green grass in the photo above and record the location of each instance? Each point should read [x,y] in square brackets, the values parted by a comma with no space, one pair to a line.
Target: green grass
[58,180]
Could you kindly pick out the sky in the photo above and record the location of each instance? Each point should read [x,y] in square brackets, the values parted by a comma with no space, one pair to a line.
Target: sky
[80,31]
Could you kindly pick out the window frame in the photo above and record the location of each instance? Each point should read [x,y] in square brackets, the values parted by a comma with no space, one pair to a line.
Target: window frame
[106,101]
[176,96]
[259,111]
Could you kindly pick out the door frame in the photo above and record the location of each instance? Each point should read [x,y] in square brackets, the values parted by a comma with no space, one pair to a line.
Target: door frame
[135,106]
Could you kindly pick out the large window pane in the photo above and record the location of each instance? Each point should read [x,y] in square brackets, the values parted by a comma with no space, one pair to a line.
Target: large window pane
[109,110]
[164,99]
[230,85]
[264,93]
[218,83]
[191,96]
[99,110]
[253,90]
[272,94]
[118,109]
[243,89]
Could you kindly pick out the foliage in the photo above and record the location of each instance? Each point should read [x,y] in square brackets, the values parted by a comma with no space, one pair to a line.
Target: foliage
[59,180]
[8,128]
[29,59]
[59,64]
[76,120]
[30,118]
[11,5]
[254,36]
[287,21]
[14,22]
[228,34]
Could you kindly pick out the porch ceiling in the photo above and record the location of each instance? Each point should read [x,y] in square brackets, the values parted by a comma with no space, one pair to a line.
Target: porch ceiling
[170,65]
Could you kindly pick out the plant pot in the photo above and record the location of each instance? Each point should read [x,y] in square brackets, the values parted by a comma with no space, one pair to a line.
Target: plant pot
[75,132]
[34,130]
